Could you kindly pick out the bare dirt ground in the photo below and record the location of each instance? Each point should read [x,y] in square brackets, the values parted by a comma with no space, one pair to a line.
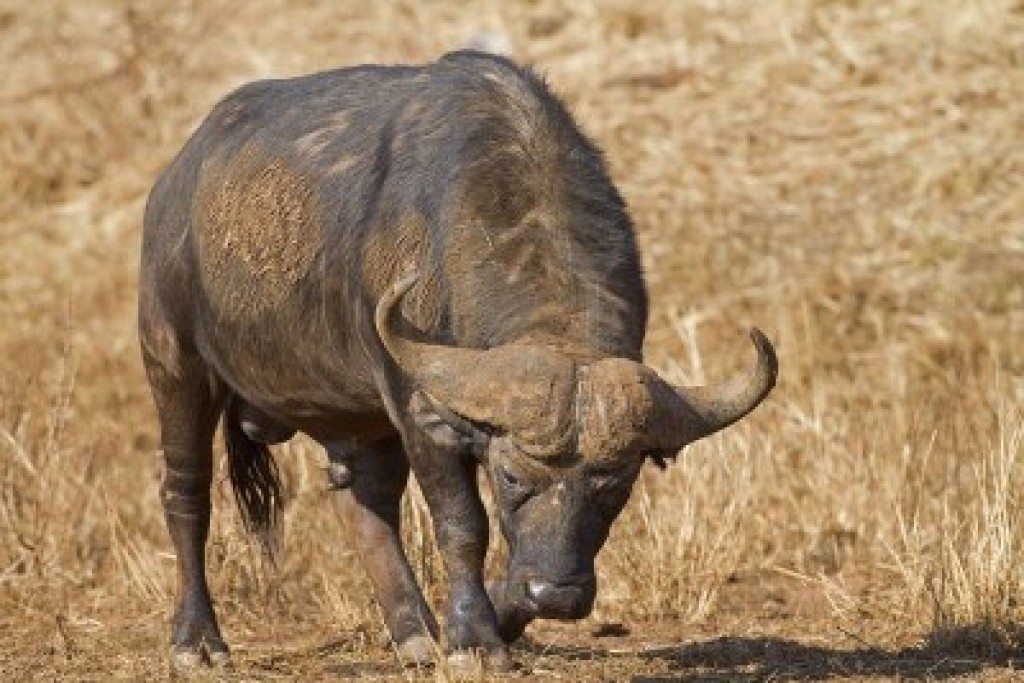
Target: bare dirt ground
[848,176]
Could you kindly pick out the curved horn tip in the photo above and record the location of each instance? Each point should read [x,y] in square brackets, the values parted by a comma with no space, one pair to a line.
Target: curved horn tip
[402,286]
[765,352]
[391,297]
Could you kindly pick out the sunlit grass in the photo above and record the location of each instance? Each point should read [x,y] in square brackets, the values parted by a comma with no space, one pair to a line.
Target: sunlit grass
[844,175]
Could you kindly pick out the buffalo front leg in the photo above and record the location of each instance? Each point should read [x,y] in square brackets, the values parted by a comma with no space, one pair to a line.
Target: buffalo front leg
[375,478]
[188,403]
[448,481]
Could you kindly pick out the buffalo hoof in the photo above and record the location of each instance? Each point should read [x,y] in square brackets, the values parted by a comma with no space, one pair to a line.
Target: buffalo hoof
[499,660]
[189,660]
[472,662]
[417,651]
[221,660]
[186,660]
[465,664]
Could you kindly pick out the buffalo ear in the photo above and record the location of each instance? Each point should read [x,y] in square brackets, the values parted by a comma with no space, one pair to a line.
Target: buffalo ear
[442,427]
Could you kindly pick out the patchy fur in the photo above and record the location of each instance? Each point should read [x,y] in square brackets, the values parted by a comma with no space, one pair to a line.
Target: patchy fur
[258,228]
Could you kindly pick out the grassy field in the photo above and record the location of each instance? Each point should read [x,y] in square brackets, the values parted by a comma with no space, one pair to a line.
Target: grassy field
[848,176]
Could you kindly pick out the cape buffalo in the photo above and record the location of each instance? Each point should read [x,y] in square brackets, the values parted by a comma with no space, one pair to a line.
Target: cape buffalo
[417,266]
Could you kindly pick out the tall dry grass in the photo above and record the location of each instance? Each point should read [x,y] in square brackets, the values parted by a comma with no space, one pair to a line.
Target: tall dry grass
[846,175]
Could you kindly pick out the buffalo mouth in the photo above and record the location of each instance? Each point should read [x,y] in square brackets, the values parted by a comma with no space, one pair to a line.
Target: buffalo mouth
[564,599]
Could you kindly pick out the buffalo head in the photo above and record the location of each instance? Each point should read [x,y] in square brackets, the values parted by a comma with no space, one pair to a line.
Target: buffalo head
[562,435]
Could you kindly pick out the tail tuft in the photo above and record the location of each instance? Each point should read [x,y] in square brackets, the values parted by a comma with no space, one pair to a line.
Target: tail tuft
[254,476]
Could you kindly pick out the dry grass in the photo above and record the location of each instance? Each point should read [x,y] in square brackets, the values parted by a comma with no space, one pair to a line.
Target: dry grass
[846,175]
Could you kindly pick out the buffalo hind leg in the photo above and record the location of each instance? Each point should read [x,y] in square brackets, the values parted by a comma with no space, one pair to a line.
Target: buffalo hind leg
[376,477]
[188,400]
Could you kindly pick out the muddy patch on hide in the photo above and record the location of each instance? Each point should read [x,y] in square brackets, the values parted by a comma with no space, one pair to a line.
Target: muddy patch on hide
[259,230]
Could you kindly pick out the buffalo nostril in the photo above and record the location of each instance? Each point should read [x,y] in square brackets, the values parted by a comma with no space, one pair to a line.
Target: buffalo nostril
[563,600]
[556,598]
[541,592]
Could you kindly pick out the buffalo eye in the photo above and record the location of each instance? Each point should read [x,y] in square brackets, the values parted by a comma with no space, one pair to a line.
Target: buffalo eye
[611,490]
[607,481]
[509,479]
[514,489]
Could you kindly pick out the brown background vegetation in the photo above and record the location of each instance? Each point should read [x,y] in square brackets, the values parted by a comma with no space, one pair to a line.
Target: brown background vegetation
[847,175]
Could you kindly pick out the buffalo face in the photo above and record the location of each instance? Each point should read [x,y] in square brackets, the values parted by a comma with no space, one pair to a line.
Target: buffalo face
[555,520]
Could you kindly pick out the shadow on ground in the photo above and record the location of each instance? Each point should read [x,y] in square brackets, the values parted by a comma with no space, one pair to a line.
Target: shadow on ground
[953,653]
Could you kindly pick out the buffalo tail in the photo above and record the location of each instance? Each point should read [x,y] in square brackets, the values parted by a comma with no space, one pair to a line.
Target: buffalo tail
[255,479]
